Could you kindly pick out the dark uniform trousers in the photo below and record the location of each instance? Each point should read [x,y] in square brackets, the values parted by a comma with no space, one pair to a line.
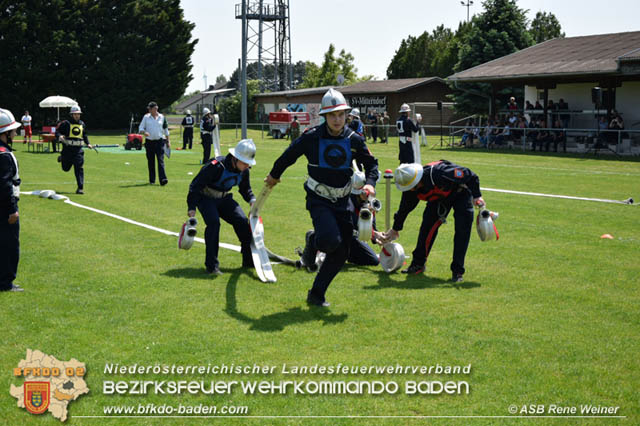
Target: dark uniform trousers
[187,137]
[333,233]
[155,151]
[207,141]
[432,218]
[212,209]
[406,153]
[9,251]
[74,156]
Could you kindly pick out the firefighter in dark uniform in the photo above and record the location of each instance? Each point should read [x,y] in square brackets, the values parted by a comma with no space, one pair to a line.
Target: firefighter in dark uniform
[443,185]
[354,121]
[406,127]
[207,125]
[187,132]
[210,193]
[73,134]
[9,195]
[329,149]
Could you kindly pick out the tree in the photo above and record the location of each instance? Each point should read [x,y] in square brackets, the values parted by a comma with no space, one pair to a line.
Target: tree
[500,30]
[429,55]
[327,74]
[221,79]
[112,56]
[230,108]
[545,26]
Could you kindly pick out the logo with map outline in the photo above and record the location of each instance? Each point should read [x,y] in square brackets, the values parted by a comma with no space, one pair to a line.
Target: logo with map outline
[50,384]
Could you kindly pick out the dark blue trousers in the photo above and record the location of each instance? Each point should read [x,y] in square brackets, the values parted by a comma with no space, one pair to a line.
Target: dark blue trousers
[406,152]
[9,251]
[212,209]
[74,156]
[432,218]
[360,253]
[187,137]
[207,141]
[155,152]
[333,233]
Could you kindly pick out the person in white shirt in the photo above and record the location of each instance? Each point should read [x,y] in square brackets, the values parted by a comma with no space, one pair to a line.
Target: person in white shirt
[26,125]
[156,131]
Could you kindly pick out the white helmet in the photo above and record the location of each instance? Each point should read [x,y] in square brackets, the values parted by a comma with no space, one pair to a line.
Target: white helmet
[75,110]
[188,112]
[407,176]
[405,108]
[333,101]
[355,112]
[7,121]
[487,230]
[205,111]
[245,151]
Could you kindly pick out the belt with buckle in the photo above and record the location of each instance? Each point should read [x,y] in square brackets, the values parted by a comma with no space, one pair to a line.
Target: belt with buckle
[329,192]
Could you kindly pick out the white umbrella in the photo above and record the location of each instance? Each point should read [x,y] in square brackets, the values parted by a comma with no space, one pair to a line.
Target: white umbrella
[57,102]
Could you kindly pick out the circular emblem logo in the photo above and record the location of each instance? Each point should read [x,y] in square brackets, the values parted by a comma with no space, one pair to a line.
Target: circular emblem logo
[75,131]
[335,155]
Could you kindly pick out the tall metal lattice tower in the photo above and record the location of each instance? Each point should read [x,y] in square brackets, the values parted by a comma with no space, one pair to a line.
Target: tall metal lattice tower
[266,40]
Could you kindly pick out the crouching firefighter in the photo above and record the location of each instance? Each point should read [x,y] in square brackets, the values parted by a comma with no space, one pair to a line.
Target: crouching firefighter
[443,185]
[9,195]
[73,134]
[210,193]
[329,149]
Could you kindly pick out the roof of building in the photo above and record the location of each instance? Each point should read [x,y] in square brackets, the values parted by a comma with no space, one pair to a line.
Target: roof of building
[369,87]
[594,54]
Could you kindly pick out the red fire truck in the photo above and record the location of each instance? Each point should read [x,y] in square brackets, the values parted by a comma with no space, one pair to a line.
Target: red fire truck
[279,122]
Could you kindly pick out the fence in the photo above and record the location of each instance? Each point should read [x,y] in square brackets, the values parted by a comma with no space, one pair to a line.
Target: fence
[624,142]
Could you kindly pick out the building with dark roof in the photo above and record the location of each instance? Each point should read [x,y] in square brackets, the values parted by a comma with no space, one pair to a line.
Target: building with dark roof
[569,68]
[378,95]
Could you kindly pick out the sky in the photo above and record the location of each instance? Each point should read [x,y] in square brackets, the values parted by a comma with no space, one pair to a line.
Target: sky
[372,31]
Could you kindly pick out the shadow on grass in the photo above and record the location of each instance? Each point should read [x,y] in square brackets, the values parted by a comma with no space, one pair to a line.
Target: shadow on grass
[198,273]
[279,320]
[417,282]
[135,185]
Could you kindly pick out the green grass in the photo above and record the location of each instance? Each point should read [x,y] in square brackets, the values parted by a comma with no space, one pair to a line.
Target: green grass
[547,315]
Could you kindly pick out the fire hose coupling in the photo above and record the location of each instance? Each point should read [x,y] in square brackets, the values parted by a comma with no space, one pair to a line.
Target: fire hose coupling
[187,234]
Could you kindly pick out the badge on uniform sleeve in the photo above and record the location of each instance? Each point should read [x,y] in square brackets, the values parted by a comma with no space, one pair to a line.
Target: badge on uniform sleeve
[458,173]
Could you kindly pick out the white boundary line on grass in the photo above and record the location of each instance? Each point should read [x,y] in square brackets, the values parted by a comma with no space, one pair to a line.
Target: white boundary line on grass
[133,222]
[568,197]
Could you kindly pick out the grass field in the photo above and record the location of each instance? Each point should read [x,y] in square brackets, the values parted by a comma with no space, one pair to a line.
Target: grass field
[548,315]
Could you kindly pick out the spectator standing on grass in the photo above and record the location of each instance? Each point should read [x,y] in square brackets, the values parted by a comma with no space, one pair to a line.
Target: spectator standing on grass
[9,196]
[294,130]
[207,126]
[155,128]
[73,134]
[444,186]
[187,130]
[373,121]
[406,127]
[384,126]
[210,193]
[26,126]
[329,149]
[543,137]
